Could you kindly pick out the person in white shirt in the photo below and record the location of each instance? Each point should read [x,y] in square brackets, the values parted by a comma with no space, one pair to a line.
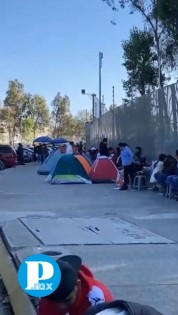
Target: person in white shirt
[157,168]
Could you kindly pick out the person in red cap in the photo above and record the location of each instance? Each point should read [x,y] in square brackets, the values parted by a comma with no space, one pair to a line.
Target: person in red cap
[77,292]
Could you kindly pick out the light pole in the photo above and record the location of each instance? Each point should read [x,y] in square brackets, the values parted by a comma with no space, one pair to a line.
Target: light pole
[92,96]
[100,67]
[21,124]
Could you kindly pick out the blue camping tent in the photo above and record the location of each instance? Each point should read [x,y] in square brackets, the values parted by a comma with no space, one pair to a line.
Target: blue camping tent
[68,170]
[49,163]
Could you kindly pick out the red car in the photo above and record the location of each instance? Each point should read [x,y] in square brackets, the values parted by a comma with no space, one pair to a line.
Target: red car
[8,156]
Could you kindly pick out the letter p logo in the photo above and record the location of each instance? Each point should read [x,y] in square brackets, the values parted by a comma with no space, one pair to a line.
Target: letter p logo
[39,275]
[33,273]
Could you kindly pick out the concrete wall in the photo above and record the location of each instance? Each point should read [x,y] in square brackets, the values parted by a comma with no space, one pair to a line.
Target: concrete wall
[150,121]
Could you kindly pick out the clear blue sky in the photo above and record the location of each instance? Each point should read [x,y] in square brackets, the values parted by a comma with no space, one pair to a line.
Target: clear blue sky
[53,45]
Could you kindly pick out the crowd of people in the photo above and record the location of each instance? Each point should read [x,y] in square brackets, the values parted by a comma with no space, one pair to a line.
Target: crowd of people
[40,153]
[165,173]
[123,158]
[162,173]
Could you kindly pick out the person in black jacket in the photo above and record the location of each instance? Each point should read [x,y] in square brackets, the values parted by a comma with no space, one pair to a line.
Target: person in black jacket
[169,168]
[20,154]
[103,149]
[139,159]
[173,179]
[121,307]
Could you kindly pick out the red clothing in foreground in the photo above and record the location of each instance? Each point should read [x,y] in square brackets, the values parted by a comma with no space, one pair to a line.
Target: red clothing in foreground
[92,292]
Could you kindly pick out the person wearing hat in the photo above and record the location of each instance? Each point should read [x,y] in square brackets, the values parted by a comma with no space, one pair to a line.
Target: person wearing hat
[78,290]
[120,307]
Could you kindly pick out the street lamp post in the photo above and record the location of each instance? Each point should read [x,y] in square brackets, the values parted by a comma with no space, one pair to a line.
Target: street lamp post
[100,67]
[92,96]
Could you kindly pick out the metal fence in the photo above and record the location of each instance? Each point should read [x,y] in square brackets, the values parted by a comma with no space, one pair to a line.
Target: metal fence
[150,121]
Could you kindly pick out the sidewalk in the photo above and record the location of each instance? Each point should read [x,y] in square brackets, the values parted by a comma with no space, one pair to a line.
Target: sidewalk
[140,272]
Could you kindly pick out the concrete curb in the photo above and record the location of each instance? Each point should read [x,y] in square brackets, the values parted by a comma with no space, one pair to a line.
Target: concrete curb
[20,302]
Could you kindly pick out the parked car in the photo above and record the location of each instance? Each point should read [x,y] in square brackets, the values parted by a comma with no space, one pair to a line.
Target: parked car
[1,165]
[28,155]
[8,156]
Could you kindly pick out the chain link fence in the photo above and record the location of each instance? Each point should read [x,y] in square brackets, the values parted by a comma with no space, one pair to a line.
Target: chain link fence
[150,121]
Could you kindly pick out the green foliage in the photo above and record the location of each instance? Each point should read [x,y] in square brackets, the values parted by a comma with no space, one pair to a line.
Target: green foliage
[39,113]
[26,114]
[153,13]
[13,108]
[23,113]
[63,124]
[80,119]
[139,61]
[167,11]
[28,129]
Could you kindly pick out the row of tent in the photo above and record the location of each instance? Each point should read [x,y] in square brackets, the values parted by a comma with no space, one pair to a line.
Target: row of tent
[77,169]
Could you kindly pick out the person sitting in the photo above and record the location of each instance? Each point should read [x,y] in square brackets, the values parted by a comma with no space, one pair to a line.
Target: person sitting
[169,168]
[173,179]
[121,307]
[117,157]
[157,168]
[139,160]
[77,291]
[93,154]
[111,153]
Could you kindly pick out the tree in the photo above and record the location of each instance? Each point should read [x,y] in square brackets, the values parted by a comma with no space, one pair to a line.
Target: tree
[167,11]
[13,108]
[139,61]
[23,113]
[38,112]
[164,45]
[63,124]
[81,118]
[28,129]
[2,124]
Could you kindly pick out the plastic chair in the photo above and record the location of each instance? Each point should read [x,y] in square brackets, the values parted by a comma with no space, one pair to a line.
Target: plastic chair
[140,182]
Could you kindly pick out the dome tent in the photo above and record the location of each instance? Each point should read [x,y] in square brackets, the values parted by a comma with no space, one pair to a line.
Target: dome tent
[84,162]
[68,170]
[103,171]
[85,155]
[49,163]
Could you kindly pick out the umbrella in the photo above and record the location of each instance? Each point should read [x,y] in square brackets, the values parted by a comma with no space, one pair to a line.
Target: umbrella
[59,140]
[43,139]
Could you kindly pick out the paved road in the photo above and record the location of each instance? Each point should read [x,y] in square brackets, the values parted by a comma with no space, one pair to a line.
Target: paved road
[142,272]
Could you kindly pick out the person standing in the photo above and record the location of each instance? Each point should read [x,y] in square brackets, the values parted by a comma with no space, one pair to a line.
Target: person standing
[127,158]
[103,149]
[80,147]
[20,154]
[44,153]
[38,152]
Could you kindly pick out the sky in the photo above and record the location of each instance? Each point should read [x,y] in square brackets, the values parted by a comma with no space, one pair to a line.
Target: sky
[53,46]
